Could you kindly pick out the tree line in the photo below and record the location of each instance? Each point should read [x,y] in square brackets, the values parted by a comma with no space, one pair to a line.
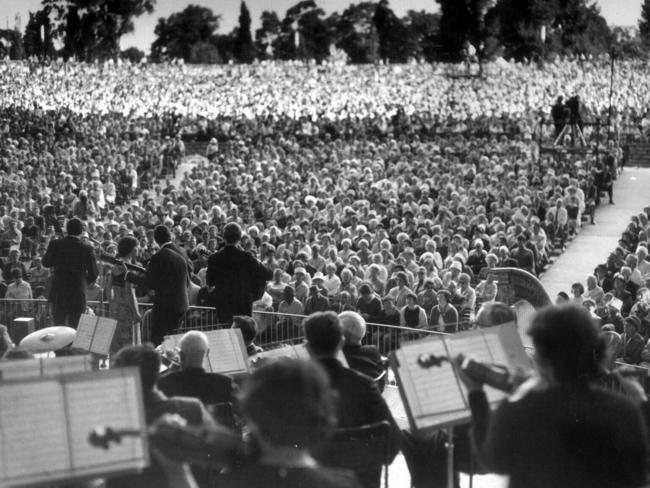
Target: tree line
[367,32]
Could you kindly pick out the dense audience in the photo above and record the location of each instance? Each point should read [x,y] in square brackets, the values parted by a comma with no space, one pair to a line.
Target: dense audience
[394,177]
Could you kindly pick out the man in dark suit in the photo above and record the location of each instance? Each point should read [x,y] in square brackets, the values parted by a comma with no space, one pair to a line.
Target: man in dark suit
[359,400]
[192,380]
[237,277]
[168,275]
[74,268]
[364,359]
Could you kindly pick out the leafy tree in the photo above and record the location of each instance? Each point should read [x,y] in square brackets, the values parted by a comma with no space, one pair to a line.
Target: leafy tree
[176,34]
[11,44]
[304,22]
[267,34]
[34,45]
[395,42]
[204,52]
[132,54]
[644,24]
[355,33]
[461,21]
[100,26]
[581,29]
[244,47]
[424,29]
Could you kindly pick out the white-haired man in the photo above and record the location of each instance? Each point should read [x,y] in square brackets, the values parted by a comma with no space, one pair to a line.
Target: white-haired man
[192,380]
[362,358]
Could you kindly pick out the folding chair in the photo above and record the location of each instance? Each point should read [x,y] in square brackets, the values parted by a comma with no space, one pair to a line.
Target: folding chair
[363,450]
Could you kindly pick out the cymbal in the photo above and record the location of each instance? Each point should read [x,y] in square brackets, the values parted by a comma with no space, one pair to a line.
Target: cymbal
[48,339]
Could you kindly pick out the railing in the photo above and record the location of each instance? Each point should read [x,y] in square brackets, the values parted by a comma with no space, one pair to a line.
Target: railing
[39,310]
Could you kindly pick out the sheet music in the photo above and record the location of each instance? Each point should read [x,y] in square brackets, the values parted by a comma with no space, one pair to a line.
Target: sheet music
[66,365]
[33,435]
[119,409]
[104,332]
[227,352]
[85,331]
[17,369]
[433,394]
[482,345]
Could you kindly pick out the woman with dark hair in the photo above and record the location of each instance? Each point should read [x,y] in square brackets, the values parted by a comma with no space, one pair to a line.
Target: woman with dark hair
[565,431]
[122,304]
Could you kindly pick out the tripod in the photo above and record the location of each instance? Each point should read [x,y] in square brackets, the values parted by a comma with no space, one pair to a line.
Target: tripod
[574,129]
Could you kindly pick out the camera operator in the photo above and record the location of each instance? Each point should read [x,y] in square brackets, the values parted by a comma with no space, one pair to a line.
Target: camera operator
[568,432]
[560,115]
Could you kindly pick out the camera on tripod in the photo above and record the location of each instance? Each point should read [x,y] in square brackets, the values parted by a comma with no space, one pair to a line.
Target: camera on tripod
[573,109]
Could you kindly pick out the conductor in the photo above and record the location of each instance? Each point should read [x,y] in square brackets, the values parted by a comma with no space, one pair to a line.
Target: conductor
[74,268]
[238,278]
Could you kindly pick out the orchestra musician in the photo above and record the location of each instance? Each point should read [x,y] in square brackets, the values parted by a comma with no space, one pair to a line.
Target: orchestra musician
[564,430]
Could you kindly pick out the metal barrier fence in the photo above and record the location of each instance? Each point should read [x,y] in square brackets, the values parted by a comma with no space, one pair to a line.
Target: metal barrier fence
[39,310]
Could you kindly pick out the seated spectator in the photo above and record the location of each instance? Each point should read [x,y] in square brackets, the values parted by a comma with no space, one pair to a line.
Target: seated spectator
[444,317]
[632,343]
[368,304]
[427,296]
[315,302]
[362,358]
[493,314]
[400,290]
[18,289]
[594,292]
[290,306]
[412,315]
[248,328]
[192,380]
[289,408]
[577,290]
[486,290]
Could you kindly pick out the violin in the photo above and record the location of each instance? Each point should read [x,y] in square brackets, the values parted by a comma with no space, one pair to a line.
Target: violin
[212,446]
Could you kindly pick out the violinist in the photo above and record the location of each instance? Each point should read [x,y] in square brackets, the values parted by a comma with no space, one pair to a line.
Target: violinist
[565,432]
[156,404]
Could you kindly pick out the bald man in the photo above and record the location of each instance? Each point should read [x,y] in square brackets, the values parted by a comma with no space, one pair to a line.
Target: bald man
[192,380]
[364,359]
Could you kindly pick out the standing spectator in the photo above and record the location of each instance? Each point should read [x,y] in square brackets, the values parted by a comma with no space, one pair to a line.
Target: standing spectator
[316,302]
[74,267]
[237,276]
[290,306]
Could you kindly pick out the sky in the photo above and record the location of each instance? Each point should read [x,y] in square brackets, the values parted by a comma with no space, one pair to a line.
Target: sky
[616,12]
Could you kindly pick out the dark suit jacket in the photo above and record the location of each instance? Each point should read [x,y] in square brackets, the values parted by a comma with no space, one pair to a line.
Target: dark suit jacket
[359,400]
[167,274]
[364,359]
[236,276]
[74,266]
[210,388]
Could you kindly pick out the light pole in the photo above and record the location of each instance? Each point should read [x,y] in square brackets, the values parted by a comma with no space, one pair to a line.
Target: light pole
[613,54]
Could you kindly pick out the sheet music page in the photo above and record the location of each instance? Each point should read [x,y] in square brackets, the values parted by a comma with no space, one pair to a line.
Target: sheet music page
[18,369]
[433,394]
[85,331]
[484,346]
[66,365]
[100,400]
[33,436]
[103,336]
[227,356]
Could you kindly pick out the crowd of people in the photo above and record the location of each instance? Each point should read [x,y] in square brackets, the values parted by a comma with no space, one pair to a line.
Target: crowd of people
[393,177]
[336,196]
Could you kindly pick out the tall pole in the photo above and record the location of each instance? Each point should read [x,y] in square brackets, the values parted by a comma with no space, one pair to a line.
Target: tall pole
[612,70]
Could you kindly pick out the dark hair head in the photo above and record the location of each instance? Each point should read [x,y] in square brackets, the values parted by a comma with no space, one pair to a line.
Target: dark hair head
[161,234]
[16,273]
[125,245]
[232,233]
[323,332]
[247,325]
[74,227]
[288,293]
[567,338]
[145,358]
[290,402]
[494,313]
